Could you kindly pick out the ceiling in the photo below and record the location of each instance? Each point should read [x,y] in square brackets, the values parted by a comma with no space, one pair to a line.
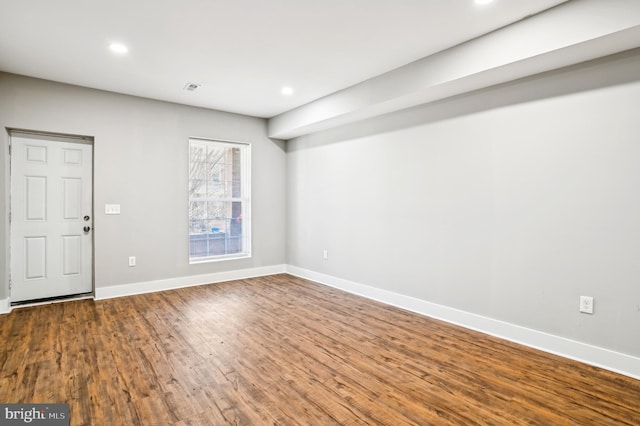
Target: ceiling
[242,52]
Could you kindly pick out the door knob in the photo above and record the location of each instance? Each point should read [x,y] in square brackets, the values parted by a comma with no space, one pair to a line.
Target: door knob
[86,218]
[87,228]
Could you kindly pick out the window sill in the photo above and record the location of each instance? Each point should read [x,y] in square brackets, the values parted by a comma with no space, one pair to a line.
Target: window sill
[197,260]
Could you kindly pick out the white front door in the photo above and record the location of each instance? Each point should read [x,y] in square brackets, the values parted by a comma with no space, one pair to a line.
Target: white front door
[51,217]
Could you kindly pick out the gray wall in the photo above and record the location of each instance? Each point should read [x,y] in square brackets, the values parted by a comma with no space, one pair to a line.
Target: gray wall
[140,155]
[510,202]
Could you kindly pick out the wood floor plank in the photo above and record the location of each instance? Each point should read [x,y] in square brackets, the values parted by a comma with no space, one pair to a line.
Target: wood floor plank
[280,350]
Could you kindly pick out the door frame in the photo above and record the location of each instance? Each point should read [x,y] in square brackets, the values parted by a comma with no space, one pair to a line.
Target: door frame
[63,137]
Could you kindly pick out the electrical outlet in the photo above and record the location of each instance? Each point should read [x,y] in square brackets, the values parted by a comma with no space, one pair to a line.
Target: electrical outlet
[132,261]
[586,304]
[325,255]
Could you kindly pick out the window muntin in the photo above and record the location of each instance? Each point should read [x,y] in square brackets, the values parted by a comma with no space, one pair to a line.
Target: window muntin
[219,200]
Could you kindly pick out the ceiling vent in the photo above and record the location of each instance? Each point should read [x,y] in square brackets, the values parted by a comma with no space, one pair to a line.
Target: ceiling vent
[191,86]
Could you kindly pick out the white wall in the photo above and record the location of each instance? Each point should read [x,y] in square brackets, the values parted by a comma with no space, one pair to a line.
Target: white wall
[140,156]
[508,203]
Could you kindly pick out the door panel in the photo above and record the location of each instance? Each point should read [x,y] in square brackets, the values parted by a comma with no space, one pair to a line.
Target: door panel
[36,154]
[71,255]
[71,198]
[36,197]
[35,257]
[51,193]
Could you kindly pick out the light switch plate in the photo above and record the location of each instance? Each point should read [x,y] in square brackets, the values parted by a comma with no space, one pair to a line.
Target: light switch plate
[112,209]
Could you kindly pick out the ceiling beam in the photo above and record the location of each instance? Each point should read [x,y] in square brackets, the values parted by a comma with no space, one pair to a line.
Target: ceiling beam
[573,32]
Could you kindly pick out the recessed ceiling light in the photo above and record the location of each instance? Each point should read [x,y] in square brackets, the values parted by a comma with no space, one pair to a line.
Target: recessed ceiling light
[483,1]
[287,91]
[118,48]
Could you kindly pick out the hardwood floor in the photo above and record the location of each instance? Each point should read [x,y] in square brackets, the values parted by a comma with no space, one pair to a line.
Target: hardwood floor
[282,350]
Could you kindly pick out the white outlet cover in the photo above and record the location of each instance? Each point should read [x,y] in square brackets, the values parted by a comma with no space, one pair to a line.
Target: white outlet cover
[586,304]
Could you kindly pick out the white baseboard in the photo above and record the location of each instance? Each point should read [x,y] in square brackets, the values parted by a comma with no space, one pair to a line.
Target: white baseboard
[189,281]
[5,306]
[588,354]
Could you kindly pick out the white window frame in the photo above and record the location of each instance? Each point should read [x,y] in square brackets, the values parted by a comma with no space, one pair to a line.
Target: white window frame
[245,199]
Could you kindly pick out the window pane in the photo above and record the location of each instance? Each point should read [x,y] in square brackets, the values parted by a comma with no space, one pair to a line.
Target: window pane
[216,189]
[218,200]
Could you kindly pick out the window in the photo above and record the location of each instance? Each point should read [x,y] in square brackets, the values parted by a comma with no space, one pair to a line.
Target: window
[219,197]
